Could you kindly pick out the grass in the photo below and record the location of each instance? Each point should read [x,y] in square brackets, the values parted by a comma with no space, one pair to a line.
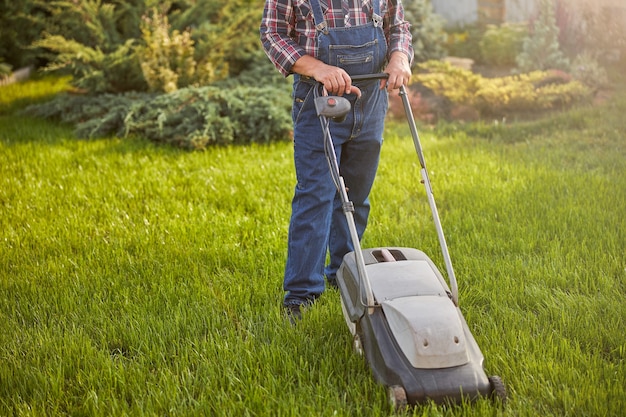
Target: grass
[138,279]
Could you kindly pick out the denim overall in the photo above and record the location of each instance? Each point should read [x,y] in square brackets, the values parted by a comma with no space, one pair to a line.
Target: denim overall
[318,223]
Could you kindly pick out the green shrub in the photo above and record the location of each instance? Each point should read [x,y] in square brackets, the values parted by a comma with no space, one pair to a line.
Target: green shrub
[191,118]
[94,69]
[198,117]
[83,38]
[455,83]
[541,49]
[496,97]
[465,42]
[167,57]
[112,46]
[586,69]
[527,93]
[501,44]
[429,37]
[21,23]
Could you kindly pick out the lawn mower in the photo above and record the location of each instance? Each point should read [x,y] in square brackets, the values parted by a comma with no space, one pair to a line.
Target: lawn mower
[403,316]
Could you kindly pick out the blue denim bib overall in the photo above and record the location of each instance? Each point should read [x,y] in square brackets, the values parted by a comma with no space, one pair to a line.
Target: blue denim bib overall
[318,223]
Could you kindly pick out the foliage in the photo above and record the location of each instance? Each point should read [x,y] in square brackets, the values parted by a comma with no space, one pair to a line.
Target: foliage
[427,29]
[191,118]
[115,47]
[530,92]
[501,44]
[94,69]
[588,70]
[541,49]
[233,39]
[167,57]
[198,117]
[21,23]
[465,42]
[83,40]
[457,84]
[5,69]
[140,45]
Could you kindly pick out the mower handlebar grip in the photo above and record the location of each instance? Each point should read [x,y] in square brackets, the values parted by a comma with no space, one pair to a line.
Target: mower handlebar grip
[368,77]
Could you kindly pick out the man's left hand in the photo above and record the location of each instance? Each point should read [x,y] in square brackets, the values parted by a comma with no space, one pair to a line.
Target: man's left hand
[399,71]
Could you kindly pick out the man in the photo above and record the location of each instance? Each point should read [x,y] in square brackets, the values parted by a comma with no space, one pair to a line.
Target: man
[326,42]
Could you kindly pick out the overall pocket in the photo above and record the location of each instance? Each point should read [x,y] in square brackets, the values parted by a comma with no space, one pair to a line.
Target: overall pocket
[355,59]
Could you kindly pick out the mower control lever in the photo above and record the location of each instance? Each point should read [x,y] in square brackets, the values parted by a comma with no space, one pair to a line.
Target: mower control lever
[333,107]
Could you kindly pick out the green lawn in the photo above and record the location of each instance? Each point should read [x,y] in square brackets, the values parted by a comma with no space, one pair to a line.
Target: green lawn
[138,279]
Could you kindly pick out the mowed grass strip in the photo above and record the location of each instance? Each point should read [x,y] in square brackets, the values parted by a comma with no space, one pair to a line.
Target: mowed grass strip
[137,279]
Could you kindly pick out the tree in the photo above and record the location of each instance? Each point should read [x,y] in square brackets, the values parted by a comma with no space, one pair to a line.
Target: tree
[427,29]
[541,49]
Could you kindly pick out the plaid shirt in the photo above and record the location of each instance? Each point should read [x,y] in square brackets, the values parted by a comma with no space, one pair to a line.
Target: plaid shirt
[288,28]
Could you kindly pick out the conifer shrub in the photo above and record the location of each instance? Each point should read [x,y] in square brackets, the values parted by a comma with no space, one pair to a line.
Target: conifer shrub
[190,118]
[501,44]
[455,83]
[464,42]
[526,93]
[427,29]
[93,42]
[541,49]
[94,69]
[195,118]
[587,69]
[167,57]
[113,46]
[21,23]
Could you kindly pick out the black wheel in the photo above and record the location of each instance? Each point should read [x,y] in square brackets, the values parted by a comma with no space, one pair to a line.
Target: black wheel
[397,397]
[498,390]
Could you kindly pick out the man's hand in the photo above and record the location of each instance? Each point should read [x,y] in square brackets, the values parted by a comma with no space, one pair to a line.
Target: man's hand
[336,80]
[399,71]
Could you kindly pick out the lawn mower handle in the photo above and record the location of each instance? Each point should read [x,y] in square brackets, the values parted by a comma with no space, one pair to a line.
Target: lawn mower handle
[368,77]
[325,109]
[425,179]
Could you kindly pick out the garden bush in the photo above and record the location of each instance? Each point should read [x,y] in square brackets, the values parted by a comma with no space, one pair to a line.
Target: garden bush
[167,56]
[501,44]
[21,23]
[427,29]
[498,97]
[464,42]
[111,46]
[541,49]
[586,68]
[191,118]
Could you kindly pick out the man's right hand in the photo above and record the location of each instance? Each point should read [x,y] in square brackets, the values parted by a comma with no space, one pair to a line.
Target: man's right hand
[335,80]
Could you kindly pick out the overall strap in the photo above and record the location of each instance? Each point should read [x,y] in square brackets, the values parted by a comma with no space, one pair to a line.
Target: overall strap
[318,15]
[322,26]
[376,17]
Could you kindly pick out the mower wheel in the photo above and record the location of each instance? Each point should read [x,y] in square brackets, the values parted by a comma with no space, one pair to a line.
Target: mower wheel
[397,397]
[498,390]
